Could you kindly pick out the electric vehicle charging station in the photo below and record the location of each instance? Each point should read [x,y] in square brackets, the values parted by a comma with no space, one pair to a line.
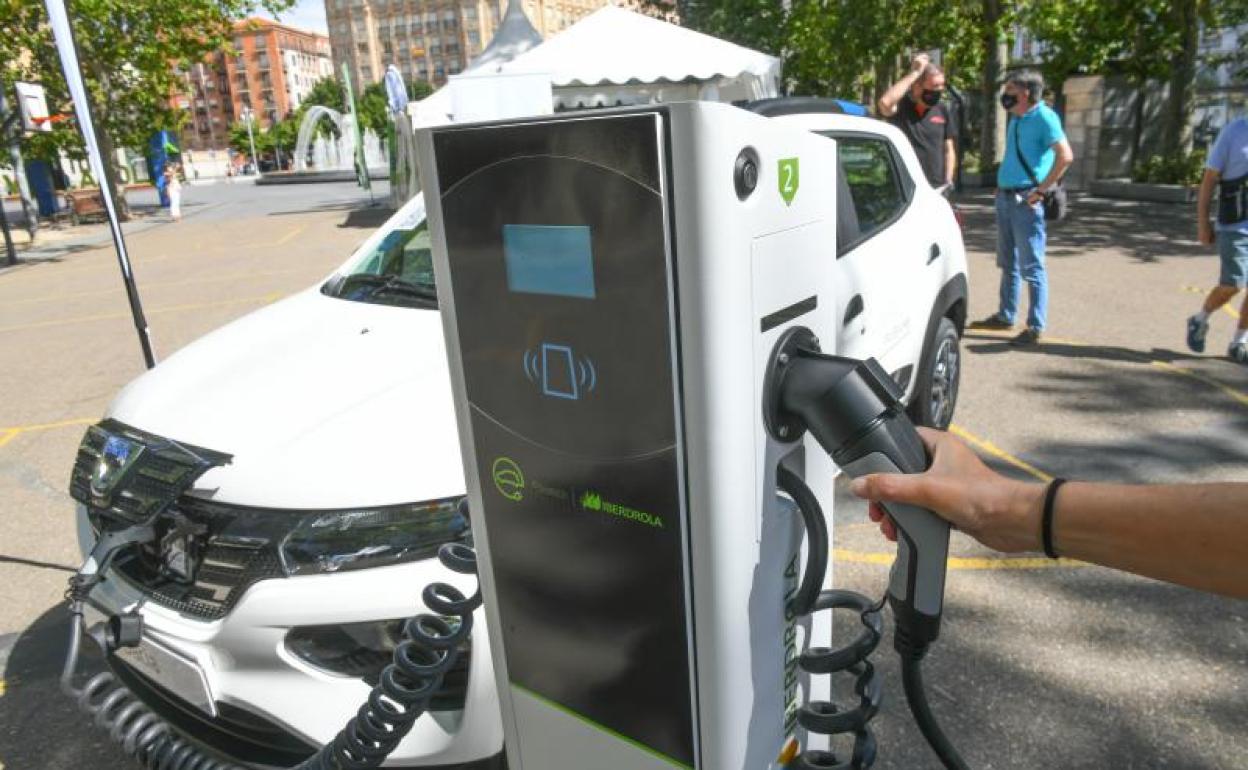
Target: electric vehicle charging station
[633,303]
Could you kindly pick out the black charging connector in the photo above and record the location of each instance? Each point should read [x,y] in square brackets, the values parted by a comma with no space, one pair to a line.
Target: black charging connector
[854,410]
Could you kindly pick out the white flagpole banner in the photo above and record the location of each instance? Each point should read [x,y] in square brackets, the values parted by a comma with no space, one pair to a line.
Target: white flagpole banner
[58,17]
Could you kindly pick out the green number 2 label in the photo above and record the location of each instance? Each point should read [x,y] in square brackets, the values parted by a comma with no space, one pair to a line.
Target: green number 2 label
[789,179]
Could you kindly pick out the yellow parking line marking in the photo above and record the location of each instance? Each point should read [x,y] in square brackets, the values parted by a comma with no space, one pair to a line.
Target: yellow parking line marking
[152,284]
[295,231]
[1198,290]
[1227,389]
[961,562]
[1166,366]
[265,299]
[8,434]
[50,425]
[987,447]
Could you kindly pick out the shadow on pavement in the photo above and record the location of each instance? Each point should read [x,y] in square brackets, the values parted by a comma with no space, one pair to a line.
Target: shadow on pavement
[42,728]
[1092,695]
[1146,232]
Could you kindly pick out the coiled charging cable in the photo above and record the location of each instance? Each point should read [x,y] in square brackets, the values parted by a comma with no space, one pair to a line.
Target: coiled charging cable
[401,696]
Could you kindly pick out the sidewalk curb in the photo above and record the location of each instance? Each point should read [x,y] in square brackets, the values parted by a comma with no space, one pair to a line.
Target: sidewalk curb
[51,251]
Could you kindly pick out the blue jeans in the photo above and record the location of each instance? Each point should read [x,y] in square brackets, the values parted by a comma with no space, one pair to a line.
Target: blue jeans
[1020,255]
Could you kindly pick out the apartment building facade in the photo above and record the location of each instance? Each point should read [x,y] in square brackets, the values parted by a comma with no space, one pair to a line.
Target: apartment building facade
[430,40]
[270,69]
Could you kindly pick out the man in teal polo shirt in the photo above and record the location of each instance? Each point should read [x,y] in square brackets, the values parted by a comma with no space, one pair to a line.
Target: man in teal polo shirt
[1036,156]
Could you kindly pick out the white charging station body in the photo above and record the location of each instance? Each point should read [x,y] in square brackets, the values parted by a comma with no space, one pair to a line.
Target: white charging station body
[611,286]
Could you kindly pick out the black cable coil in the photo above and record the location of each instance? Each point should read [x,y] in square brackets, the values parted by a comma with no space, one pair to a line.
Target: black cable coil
[824,717]
[401,696]
[409,682]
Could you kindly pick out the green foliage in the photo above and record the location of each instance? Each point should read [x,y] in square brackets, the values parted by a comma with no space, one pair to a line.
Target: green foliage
[1180,168]
[128,52]
[373,109]
[418,89]
[847,48]
[240,142]
[327,92]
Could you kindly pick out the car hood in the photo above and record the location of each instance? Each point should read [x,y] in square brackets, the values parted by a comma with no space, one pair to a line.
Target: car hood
[323,403]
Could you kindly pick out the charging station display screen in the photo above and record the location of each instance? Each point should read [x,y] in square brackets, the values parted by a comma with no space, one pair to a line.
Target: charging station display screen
[549,259]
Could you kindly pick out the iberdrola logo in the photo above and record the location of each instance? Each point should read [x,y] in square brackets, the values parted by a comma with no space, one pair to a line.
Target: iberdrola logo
[592,501]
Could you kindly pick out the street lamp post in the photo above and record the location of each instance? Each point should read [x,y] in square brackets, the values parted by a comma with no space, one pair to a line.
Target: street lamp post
[249,116]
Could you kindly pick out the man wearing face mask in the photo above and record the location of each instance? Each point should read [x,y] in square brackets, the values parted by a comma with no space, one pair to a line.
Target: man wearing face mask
[1036,155]
[913,104]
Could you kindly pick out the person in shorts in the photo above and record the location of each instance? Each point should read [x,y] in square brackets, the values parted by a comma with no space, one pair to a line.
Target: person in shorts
[1226,172]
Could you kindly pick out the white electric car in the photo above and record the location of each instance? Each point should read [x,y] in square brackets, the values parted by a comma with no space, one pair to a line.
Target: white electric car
[273,597]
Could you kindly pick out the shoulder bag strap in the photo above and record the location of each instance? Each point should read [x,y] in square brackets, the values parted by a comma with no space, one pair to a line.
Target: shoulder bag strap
[1019,152]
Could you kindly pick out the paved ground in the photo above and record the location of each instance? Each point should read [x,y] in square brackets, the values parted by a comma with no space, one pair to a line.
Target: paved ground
[1039,665]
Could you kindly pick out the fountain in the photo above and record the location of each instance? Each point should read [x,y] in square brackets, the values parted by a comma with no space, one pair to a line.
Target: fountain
[330,157]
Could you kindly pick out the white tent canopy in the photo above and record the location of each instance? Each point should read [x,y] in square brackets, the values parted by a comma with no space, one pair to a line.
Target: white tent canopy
[611,57]
[614,46]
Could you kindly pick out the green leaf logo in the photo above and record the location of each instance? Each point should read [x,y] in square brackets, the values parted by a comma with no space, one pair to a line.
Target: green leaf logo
[789,179]
[591,501]
[508,479]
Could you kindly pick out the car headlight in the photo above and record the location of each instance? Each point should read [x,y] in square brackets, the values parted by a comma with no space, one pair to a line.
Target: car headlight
[356,539]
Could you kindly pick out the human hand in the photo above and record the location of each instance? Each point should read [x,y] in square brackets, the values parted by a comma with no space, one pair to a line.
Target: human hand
[1205,234]
[919,63]
[1000,513]
[1035,197]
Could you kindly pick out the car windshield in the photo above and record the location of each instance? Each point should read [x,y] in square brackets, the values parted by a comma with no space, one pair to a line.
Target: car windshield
[394,267]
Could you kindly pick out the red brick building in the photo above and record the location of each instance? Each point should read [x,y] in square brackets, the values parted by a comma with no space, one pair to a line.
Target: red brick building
[270,69]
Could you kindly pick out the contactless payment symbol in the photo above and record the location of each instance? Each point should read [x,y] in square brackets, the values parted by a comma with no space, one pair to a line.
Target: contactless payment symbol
[508,478]
[560,372]
[789,179]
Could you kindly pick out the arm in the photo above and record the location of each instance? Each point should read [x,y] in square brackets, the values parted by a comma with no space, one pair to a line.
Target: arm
[1065,156]
[951,161]
[1204,228]
[1194,535]
[887,103]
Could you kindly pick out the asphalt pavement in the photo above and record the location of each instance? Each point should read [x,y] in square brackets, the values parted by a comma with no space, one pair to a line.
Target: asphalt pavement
[1040,664]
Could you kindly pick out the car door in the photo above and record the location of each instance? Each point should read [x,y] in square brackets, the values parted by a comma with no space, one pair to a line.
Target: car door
[881,292]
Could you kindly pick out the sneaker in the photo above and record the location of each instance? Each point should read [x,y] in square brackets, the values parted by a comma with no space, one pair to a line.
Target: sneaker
[1238,352]
[1196,331]
[994,321]
[1028,336]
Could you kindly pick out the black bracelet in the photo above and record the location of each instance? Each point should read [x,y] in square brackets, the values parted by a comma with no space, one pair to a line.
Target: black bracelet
[1046,519]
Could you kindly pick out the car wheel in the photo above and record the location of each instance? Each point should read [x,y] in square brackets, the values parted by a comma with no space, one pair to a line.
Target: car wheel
[940,371]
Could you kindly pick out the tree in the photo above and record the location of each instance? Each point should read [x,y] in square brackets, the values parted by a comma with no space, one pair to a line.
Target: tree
[327,92]
[418,89]
[131,53]
[374,110]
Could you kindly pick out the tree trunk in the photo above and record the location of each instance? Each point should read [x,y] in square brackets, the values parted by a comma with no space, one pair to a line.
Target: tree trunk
[108,150]
[1181,103]
[991,138]
[1137,124]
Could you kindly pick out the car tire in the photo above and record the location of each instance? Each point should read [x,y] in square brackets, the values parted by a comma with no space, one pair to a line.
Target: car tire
[940,370]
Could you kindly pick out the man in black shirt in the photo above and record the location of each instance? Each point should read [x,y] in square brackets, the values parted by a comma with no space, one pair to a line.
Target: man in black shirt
[913,104]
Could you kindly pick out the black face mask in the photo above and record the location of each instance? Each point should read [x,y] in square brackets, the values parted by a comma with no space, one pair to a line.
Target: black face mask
[1008,101]
[932,98]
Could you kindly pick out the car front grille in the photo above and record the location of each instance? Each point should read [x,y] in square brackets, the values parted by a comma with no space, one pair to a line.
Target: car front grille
[160,473]
[238,550]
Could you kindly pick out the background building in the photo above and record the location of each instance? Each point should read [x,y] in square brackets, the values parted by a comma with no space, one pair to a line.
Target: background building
[430,40]
[271,69]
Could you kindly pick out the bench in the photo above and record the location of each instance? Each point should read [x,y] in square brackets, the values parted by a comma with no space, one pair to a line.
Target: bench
[86,202]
